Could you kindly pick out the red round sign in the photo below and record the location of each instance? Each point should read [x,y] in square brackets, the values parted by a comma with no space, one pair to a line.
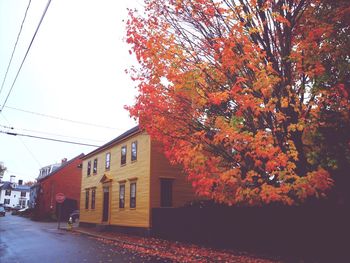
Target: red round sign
[60,197]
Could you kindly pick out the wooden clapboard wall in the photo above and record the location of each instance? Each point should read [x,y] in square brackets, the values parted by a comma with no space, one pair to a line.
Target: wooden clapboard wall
[137,171]
[147,171]
[161,168]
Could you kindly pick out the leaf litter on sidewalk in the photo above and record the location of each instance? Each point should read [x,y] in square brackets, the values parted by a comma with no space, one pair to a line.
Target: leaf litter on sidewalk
[174,251]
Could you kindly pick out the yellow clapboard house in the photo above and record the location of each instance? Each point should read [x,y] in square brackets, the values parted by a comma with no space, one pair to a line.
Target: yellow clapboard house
[125,178]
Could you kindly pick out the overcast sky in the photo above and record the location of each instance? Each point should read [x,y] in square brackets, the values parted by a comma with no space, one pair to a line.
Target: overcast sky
[74,70]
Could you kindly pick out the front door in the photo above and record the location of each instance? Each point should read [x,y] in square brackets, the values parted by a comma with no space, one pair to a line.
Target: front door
[105,204]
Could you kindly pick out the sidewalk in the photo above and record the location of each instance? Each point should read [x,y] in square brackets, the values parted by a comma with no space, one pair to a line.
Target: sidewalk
[169,251]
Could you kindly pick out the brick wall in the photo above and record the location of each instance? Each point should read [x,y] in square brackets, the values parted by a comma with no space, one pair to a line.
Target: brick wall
[66,180]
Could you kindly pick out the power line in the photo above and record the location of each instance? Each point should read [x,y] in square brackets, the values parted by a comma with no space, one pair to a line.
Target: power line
[25,146]
[48,139]
[16,173]
[25,56]
[14,48]
[47,133]
[62,119]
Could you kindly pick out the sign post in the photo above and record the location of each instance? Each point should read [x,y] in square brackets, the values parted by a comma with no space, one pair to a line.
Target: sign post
[60,197]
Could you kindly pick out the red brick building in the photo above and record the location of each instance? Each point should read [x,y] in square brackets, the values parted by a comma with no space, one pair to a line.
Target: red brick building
[65,179]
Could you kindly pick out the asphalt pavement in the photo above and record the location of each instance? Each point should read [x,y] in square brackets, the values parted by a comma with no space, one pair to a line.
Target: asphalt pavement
[26,241]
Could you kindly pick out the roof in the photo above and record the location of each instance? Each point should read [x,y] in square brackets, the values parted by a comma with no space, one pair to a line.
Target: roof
[22,188]
[80,156]
[9,185]
[106,178]
[120,138]
[52,167]
[6,185]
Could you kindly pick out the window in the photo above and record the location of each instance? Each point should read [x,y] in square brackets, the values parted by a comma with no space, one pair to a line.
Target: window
[108,161]
[121,195]
[6,201]
[89,168]
[123,155]
[22,203]
[95,166]
[134,151]
[8,192]
[132,195]
[93,198]
[166,192]
[23,194]
[87,194]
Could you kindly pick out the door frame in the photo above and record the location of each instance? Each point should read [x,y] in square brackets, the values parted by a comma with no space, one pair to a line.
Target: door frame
[108,206]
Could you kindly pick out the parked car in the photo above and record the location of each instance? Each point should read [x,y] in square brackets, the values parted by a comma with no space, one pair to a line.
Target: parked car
[2,211]
[14,212]
[75,215]
[16,208]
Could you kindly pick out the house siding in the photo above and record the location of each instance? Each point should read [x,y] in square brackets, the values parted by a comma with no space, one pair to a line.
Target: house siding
[15,197]
[137,171]
[162,169]
[150,166]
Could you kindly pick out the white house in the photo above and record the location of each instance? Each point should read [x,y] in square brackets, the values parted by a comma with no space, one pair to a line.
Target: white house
[14,195]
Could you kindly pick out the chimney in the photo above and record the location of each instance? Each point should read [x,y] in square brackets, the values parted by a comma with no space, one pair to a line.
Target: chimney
[64,160]
[20,182]
[12,178]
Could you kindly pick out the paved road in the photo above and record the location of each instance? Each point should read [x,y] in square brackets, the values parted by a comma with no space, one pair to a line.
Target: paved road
[26,241]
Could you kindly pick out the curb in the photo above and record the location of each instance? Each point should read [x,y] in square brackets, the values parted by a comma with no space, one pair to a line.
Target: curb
[199,257]
[105,237]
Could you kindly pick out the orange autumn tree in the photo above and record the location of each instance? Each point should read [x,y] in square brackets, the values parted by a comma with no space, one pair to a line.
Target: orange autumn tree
[234,89]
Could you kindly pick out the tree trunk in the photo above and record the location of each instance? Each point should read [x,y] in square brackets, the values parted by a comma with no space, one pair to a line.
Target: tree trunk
[302,164]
